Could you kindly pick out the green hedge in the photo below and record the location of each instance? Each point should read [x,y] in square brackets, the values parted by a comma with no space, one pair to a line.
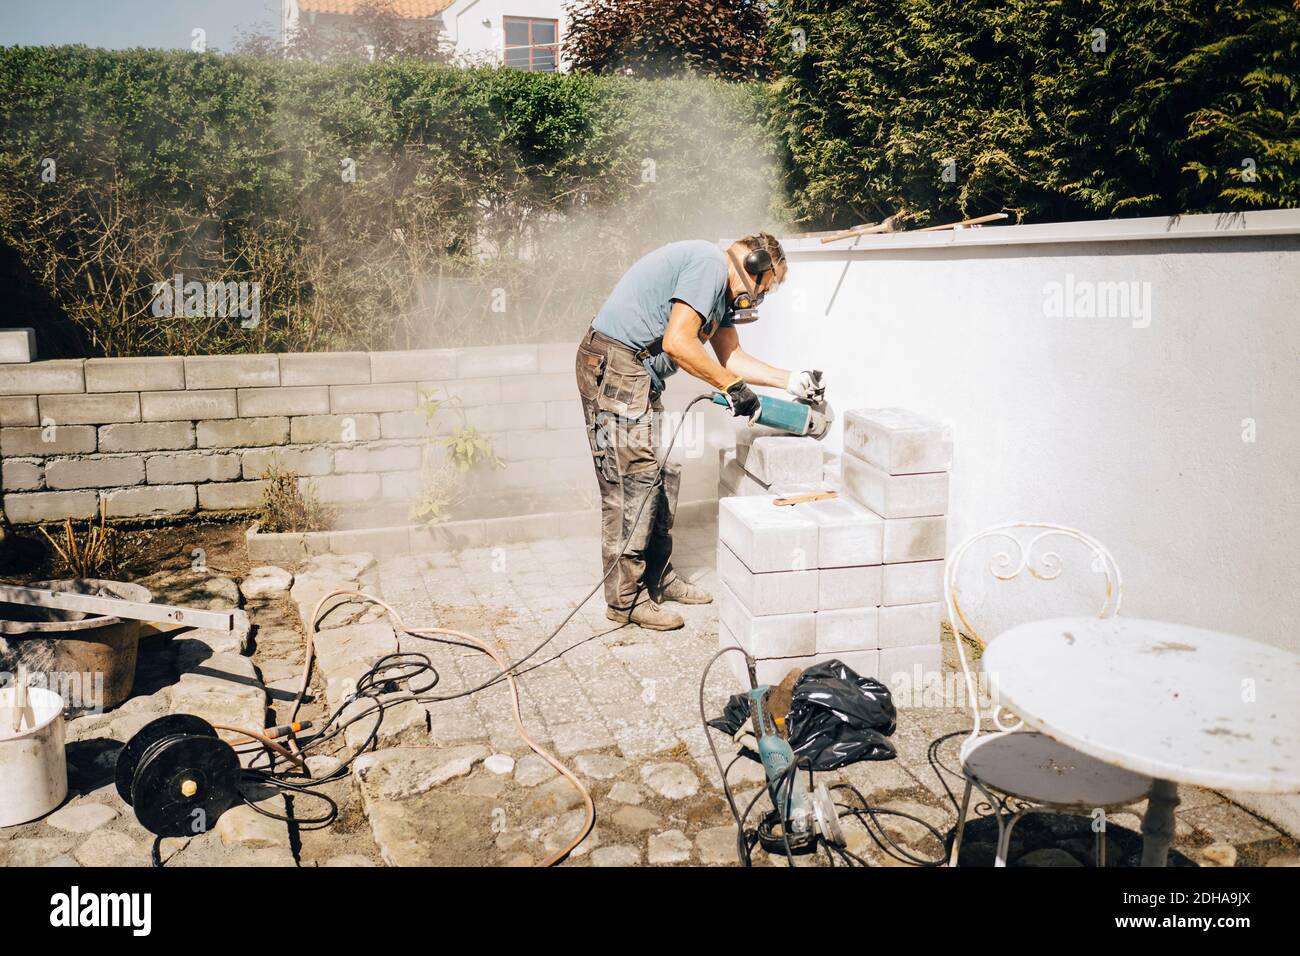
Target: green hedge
[880,95]
[488,205]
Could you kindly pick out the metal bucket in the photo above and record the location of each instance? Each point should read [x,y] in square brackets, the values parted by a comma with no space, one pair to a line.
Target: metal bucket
[88,659]
[33,764]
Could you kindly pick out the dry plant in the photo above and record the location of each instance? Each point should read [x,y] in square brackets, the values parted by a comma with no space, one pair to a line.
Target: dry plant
[90,552]
[289,504]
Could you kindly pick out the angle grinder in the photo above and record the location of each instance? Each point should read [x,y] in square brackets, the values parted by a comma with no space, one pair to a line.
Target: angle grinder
[799,817]
[793,417]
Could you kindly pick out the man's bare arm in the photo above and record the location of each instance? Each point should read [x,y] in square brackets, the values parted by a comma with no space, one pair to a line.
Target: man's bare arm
[726,343]
[682,344]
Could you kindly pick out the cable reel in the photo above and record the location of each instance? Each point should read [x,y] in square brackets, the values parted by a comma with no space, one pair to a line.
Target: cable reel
[178,776]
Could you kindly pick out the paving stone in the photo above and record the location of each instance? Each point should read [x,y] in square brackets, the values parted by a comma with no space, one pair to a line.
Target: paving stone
[266,583]
[671,846]
[346,566]
[1228,823]
[404,772]
[635,819]
[624,792]
[485,785]
[532,770]
[616,856]
[671,780]
[1218,854]
[110,848]
[322,766]
[581,735]
[717,845]
[81,817]
[33,851]
[349,860]
[500,763]
[563,832]
[552,799]
[63,860]
[600,766]
[1284,859]
[221,642]
[244,826]
[189,588]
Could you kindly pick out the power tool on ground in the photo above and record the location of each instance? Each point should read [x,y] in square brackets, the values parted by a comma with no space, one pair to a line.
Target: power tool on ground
[799,817]
[795,417]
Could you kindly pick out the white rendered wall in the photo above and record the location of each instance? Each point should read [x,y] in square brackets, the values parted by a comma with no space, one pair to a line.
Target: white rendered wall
[1134,434]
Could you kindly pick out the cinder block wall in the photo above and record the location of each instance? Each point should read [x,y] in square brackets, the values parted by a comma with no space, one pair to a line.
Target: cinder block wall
[171,436]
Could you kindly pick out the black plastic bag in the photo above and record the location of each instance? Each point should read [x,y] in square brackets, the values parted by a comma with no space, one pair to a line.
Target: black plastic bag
[837,717]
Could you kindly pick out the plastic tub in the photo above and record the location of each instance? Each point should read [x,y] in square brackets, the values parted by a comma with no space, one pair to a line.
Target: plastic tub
[33,764]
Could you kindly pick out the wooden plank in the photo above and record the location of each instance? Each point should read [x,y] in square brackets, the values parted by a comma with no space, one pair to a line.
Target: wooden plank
[867,229]
[978,220]
[116,607]
[804,498]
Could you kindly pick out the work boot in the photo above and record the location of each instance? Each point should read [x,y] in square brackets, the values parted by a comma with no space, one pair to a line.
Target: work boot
[647,614]
[683,592]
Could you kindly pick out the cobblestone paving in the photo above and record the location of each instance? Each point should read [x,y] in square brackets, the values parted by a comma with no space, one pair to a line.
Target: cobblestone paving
[451,782]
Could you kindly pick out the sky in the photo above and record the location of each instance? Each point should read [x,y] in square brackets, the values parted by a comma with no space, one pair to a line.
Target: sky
[120,24]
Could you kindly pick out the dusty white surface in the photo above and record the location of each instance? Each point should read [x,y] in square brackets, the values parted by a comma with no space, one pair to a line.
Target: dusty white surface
[1176,703]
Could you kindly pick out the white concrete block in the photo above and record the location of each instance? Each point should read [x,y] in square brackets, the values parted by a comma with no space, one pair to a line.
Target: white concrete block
[768,538]
[777,592]
[905,625]
[849,629]
[914,676]
[915,539]
[849,587]
[738,480]
[863,663]
[781,459]
[848,534]
[916,582]
[898,441]
[895,496]
[17,345]
[768,635]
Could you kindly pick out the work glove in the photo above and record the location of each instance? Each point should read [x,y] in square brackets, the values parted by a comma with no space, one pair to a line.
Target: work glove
[744,403]
[807,386]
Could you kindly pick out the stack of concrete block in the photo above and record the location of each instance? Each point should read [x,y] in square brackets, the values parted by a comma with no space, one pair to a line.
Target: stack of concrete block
[858,577]
[767,461]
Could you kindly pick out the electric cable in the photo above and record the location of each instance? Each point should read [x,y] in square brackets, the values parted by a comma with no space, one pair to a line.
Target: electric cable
[867,815]
[379,677]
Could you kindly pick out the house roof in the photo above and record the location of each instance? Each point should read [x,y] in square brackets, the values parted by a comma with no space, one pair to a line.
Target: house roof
[412,9]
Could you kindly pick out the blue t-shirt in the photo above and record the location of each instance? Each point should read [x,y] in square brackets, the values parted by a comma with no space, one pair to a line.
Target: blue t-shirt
[636,312]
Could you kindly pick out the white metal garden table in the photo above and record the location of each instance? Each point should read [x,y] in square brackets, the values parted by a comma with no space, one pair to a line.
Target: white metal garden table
[1179,704]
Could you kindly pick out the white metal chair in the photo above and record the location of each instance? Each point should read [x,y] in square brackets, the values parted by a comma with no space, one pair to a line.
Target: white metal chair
[1022,771]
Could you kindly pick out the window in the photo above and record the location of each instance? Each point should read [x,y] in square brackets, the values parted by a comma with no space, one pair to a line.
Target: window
[532,44]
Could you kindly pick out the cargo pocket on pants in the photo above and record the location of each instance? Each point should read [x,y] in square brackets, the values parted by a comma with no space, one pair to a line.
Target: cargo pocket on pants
[625,394]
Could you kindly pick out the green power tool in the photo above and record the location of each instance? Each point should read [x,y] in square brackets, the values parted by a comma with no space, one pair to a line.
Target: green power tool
[799,817]
[794,417]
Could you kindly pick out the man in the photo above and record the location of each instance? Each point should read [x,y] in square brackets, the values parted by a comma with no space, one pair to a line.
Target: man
[656,320]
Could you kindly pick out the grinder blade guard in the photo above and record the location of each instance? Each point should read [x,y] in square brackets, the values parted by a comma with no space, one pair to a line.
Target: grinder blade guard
[178,776]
